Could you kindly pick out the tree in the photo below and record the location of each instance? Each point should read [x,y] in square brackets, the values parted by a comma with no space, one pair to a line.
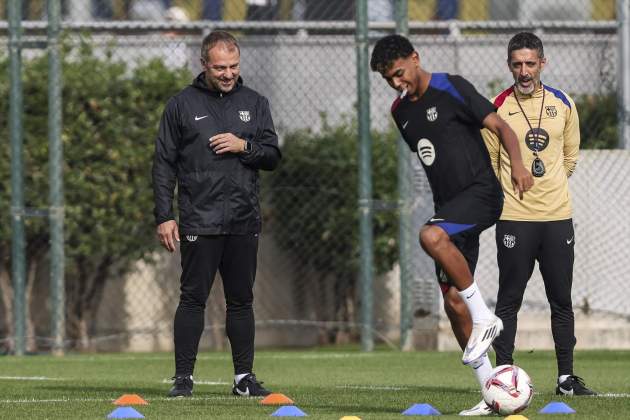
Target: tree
[598,121]
[313,203]
[110,119]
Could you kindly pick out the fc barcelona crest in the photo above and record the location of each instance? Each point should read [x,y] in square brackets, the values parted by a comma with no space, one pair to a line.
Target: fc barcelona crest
[509,241]
[432,114]
[244,116]
[551,111]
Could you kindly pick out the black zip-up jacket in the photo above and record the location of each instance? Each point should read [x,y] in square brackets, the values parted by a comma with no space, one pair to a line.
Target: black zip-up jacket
[217,194]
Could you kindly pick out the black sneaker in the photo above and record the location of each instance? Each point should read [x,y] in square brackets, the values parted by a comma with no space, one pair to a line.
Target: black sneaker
[249,387]
[573,385]
[182,386]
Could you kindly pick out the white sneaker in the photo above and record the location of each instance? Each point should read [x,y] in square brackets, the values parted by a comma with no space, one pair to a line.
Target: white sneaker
[482,336]
[481,409]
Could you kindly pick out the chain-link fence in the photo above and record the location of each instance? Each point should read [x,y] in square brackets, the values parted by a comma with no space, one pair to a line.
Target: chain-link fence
[321,10]
[123,59]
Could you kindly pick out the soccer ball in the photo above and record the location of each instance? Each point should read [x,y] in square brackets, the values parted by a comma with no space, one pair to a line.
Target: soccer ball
[508,390]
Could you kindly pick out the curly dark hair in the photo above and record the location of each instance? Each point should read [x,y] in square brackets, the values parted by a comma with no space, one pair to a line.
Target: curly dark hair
[389,49]
[525,40]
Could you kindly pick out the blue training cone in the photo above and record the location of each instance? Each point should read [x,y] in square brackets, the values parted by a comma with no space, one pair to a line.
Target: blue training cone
[125,413]
[556,407]
[288,411]
[421,410]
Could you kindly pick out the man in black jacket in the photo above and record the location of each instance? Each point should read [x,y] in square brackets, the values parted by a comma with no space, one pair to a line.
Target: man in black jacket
[214,136]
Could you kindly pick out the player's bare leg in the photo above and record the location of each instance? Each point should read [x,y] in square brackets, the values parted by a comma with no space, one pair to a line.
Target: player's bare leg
[461,323]
[458,315]
[486,326]
[436,242]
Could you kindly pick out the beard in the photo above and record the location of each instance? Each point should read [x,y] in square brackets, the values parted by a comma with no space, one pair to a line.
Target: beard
[526,90]
[216,85]
[224,86]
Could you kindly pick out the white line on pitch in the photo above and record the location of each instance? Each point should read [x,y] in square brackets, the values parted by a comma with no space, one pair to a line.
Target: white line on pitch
[403,388]
[374,387]
[200,382]
[66,400]
[611,395]
[52,400]
[219,356]
[30,378]
[322,356]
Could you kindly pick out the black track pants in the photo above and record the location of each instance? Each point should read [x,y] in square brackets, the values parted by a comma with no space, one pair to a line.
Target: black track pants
[234,256]
[519,245]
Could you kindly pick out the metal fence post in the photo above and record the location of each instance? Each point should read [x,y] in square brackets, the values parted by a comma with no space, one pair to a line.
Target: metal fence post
[57,265]
[404,206]
[18,264]
[623,36]
[365,177]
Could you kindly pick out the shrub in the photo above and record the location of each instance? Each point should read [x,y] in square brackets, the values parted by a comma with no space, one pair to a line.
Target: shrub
[110,119]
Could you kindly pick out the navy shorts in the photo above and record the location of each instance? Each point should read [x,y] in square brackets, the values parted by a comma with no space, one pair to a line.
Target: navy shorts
[464,218]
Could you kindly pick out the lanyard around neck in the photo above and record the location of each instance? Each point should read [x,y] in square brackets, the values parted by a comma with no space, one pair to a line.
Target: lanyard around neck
[537,132]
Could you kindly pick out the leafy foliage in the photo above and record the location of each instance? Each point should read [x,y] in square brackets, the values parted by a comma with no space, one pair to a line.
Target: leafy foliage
[315,190]
[598,121]
[110,118]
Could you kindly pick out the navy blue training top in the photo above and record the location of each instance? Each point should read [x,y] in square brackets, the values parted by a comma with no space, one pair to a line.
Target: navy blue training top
[443,128]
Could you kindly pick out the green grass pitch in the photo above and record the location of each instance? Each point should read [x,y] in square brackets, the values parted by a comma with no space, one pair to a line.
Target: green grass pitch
[324,383]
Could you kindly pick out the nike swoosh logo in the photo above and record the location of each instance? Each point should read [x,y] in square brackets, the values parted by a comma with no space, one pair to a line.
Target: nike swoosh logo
[471,295]
[405,124]
[570,240]
[436,220]
[513,113]
[565,392]
[200,118]
[243,393]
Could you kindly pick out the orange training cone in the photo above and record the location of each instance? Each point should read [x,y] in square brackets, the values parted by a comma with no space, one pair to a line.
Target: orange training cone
[276,399]
[130,399]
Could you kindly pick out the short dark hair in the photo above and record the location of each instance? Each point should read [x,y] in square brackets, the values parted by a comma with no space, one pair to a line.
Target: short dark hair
[389,49]
[216,37]
[525,40]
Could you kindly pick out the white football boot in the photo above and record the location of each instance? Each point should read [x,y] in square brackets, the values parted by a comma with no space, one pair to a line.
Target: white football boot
[481,409]
[482,336]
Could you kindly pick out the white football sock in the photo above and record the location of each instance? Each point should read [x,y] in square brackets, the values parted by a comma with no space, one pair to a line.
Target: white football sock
[482,369]
[562,378]
[479,312]
[237,378]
